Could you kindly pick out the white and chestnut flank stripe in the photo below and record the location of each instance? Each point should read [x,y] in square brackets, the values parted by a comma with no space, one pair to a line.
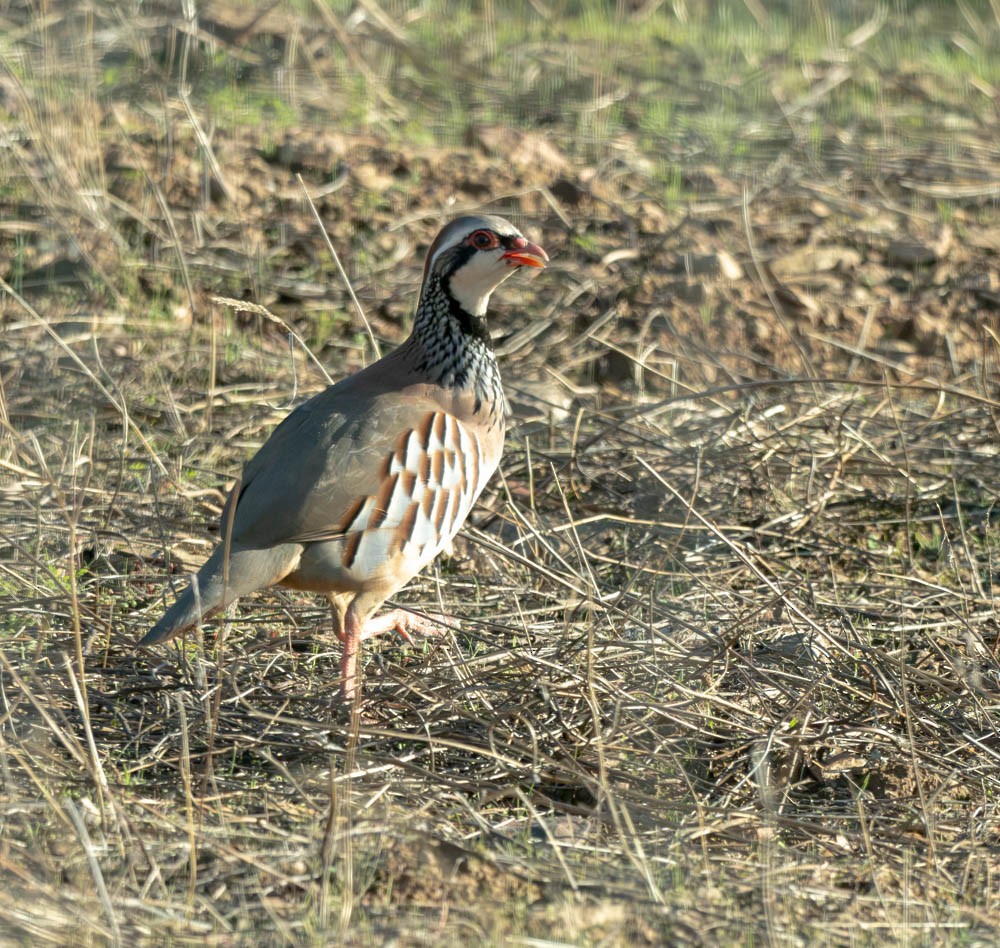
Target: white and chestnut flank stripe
[427,489]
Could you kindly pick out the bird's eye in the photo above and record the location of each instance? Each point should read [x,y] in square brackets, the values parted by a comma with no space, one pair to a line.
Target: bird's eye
[483,240]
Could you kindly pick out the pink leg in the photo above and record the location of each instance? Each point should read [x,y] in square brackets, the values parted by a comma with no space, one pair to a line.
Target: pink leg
[351,636]
[404,624]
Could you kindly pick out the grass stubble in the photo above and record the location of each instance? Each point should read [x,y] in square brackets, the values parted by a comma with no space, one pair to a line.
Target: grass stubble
[725,663]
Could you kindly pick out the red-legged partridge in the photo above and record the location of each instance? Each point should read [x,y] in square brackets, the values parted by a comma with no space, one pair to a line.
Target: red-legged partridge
[362,485]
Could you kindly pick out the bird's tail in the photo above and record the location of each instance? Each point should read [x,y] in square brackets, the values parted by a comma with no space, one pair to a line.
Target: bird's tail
[210,590]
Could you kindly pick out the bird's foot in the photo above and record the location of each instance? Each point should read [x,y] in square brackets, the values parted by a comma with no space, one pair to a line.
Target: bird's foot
[405,624]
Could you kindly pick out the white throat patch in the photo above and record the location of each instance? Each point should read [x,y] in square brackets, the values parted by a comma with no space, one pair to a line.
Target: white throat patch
[472,284]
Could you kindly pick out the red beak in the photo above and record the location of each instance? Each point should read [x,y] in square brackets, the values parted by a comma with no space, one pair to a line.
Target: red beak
[527,255]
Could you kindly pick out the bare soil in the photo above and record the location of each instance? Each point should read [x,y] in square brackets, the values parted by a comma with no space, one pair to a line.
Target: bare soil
[725,657]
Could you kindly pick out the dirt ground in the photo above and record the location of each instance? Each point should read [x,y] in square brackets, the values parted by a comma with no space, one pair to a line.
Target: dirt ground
[725,655]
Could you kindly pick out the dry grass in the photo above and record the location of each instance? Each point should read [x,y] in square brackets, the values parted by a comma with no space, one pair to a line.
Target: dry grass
[725,657]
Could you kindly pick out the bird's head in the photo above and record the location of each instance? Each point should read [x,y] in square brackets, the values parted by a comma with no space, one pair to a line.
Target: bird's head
[472,256]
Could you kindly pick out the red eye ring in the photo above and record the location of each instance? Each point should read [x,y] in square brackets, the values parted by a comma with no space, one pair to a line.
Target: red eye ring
[483,240]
